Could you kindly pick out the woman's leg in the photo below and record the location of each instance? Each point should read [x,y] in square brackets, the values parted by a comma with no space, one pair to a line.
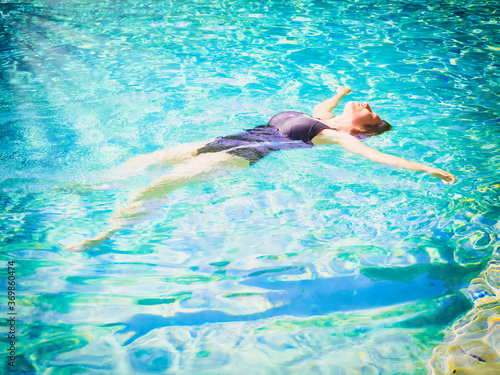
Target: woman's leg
[140,163]
[144,202]
[137,165]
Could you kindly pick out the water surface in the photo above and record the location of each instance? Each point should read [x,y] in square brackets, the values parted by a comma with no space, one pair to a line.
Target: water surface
[310,261]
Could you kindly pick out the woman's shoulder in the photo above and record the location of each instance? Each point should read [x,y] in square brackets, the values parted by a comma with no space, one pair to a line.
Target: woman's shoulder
[333,136]
[329,121]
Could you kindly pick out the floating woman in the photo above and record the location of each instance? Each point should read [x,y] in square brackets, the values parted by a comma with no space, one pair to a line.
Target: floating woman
[196,162]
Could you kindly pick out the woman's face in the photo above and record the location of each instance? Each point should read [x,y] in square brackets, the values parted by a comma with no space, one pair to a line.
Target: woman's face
[361,114]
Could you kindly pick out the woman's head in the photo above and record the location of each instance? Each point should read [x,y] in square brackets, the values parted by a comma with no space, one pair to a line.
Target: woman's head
[364,121]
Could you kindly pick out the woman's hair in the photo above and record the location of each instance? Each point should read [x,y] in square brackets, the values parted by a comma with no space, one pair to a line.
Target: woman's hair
[375,130]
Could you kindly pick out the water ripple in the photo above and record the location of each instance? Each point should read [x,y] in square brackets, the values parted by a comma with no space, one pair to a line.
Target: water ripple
[317,262]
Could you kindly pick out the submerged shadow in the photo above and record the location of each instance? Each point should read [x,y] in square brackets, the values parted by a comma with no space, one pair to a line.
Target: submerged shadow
[372,288]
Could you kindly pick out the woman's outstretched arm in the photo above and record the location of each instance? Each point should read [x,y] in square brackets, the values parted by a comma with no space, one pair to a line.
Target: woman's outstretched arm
[323,110]
[354,145]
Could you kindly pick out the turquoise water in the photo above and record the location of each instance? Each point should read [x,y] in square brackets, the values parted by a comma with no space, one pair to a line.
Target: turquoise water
[311,261]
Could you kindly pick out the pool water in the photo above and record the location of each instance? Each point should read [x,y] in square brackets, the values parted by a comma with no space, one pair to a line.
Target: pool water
[308,262]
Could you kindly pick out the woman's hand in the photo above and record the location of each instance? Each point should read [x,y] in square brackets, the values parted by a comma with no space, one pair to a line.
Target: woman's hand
[446,177]
[343,90]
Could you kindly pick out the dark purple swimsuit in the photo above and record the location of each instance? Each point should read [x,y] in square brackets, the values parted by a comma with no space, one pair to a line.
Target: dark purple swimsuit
[284,131]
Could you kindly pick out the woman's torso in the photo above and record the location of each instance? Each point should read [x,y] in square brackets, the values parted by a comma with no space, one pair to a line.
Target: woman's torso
[297,125]
[286,130]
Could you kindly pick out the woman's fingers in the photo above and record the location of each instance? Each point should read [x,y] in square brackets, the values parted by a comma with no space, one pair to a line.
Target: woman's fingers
[343,90]
[446,177]
[452,178]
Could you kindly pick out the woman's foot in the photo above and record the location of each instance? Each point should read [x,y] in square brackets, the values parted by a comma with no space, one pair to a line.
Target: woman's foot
[85,245]
[89,244]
